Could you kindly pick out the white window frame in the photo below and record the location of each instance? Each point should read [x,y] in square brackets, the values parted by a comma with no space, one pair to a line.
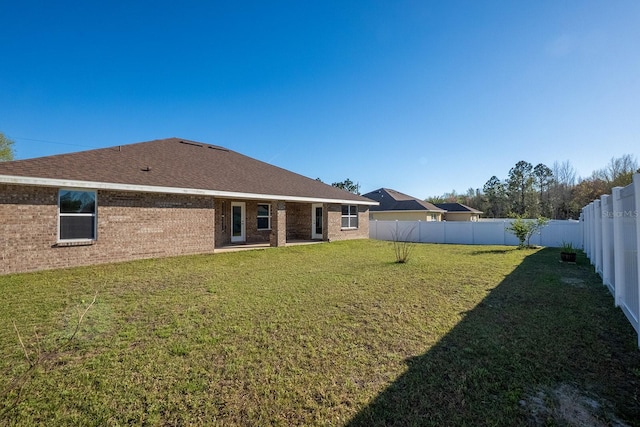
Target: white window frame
[352,219]
[93,214]
[268,216]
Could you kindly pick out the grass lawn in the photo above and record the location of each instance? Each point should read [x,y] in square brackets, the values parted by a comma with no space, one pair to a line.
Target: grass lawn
[330,334]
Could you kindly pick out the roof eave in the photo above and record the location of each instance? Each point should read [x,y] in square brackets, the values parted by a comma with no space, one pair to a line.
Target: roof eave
[70,183]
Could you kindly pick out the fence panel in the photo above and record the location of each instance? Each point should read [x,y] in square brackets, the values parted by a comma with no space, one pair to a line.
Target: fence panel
[459,232]
[489,233]
[557,232]
[630,300]
[597,210]
[432,231]
[493,232]
[608,253]
[612,238]
[407,231]
[586,229]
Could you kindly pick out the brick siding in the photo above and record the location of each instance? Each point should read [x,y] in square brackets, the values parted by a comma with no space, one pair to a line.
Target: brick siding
[253,234]
[334,224]
[130,226]
[298,221]
[141,225]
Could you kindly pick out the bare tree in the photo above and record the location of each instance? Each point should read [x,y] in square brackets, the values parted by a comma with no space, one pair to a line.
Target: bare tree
[564,173]
[564,179]
[619,172]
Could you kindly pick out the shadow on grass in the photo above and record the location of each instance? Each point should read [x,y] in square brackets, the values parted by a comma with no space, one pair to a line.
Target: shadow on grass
[546,327]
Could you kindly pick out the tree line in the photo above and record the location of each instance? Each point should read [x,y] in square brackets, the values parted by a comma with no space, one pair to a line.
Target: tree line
[528,191]
[553,192]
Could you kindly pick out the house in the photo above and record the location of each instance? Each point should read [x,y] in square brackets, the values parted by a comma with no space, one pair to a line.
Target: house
[160,198]
[394,205]
[459,212]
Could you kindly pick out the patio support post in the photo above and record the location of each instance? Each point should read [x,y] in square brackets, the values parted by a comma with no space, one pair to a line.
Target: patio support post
[278,235]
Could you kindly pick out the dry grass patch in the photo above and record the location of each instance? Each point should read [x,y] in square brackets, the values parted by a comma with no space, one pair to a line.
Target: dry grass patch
[565,404]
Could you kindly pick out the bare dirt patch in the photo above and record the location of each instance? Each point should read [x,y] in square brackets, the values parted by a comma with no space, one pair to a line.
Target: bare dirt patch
[565,404]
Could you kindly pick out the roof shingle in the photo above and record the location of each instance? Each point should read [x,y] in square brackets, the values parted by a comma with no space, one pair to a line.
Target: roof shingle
[176,163]
[457,207]
[392,200]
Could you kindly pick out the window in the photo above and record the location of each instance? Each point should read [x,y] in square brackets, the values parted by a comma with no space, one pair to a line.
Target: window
[77,215]
[349,216]
[264,217]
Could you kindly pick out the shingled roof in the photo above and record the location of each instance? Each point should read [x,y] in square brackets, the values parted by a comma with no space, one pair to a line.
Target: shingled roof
[458,207]
[392,200]
[173,165]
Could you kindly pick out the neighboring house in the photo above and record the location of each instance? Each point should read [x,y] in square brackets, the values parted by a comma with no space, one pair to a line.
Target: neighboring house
[160,198]
[459,212]
[394,205]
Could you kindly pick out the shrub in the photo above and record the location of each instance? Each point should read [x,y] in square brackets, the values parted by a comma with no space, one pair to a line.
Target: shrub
[568,248]
[523,229]
[402,246]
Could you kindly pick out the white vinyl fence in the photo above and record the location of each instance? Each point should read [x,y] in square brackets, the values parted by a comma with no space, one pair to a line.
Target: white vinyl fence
[611,241]
[492,232]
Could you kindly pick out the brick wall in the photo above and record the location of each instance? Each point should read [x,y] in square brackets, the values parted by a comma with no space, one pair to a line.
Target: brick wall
[222,222]
[253,234]
[334,223]
[130,226]
[298,221]
[139,225]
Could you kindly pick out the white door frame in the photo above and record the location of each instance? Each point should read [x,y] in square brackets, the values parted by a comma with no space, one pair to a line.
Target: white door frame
[238,237]
[314,218]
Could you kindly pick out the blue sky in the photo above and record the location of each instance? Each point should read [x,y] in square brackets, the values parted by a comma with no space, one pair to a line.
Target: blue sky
[420,96]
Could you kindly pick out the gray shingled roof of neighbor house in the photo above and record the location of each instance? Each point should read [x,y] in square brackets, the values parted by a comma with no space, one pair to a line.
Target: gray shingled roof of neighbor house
[173,165]
[392,200]
[457,207]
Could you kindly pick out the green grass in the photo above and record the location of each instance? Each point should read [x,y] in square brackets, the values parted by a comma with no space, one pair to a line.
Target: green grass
[331,334]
